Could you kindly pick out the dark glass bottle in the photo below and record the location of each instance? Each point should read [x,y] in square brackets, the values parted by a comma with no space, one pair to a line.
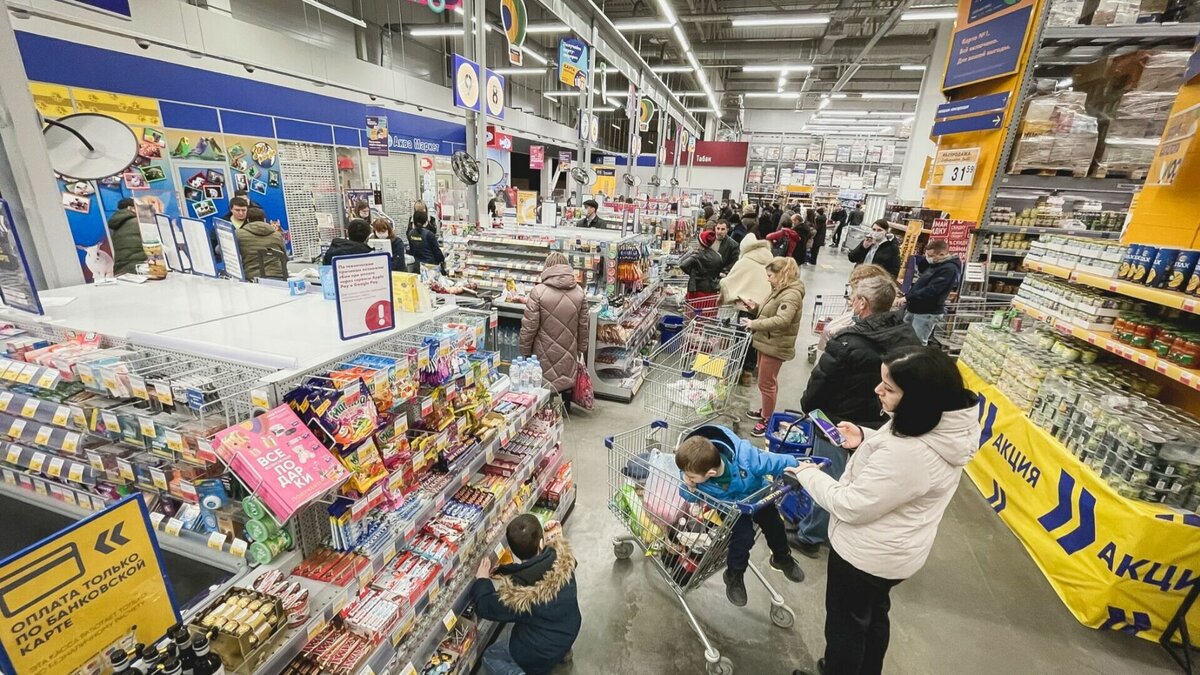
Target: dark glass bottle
[122,663]
[183,644]
[206,662]
[170,666]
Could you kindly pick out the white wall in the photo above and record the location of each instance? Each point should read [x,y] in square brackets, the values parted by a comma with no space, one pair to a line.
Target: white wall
[712,178]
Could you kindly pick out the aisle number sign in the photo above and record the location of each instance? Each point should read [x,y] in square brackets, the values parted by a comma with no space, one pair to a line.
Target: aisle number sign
[1177,138]
[955,167]
[73,595]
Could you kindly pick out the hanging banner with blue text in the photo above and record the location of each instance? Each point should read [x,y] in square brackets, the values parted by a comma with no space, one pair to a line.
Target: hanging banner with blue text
[988,42]
[74,595]
[573,63]
[1116,563]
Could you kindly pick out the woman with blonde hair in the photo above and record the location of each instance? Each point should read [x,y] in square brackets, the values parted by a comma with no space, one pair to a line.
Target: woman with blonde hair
[555,325]
[774,328]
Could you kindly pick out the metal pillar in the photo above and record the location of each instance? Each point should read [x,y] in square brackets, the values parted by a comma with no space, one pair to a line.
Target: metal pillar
[26,179]
[920,145]
[675,162]
[475,44]
[586,108]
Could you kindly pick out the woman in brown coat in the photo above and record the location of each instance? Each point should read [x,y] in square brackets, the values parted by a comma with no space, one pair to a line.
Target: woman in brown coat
[774,329]
[555,326]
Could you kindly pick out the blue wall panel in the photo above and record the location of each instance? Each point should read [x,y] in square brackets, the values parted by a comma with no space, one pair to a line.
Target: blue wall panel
[243,124]
[346,136]
[291,130]
[181,116]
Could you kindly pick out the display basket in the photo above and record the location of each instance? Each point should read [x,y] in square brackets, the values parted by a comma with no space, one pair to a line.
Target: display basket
[780,425]
[686,540]
[826,308]
[690,378]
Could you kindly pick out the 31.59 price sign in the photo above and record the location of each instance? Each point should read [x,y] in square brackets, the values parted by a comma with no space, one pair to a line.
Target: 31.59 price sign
[955,167]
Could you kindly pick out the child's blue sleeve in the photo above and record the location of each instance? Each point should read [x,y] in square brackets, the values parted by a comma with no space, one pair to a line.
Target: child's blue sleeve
[764,463]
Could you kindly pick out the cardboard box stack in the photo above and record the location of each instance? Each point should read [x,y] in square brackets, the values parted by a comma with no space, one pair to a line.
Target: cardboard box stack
[1056,134]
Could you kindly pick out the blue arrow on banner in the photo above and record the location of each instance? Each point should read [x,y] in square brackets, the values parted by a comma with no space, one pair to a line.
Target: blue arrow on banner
[985,122]
[973,106]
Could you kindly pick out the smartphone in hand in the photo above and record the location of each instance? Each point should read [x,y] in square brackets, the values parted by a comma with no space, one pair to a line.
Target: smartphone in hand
[827,427]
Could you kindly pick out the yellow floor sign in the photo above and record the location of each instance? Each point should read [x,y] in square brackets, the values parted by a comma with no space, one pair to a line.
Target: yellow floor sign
[1118,564]
[72,596]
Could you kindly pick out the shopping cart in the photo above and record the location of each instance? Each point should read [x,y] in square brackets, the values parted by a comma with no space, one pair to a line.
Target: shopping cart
[687,542]
[826,308]
[691,377]
[951,331]
[710,307]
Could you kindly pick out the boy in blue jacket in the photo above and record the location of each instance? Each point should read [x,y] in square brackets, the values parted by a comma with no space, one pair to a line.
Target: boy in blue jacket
[715,461]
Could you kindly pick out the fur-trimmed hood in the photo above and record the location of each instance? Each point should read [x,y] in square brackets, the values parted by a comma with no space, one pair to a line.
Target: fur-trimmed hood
[538,580]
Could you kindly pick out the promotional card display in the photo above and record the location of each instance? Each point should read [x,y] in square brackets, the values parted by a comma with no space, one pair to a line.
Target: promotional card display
[170,242]
[230,253]
[364,294]
[199,247]
[16,281]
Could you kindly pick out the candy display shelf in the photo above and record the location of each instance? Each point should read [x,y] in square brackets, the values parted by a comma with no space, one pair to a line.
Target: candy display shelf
[1143,357]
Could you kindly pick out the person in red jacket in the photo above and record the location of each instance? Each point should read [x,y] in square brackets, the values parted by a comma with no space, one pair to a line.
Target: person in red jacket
[788,235]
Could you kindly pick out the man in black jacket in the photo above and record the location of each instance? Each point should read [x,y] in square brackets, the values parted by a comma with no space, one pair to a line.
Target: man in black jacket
[726,246]
[856,216]
[537,598]
[357,235]
[838,217]
[842,384]
[925,301]
[590,216]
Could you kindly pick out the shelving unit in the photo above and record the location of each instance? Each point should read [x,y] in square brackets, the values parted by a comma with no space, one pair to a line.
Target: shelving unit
[621,378]
[870,163]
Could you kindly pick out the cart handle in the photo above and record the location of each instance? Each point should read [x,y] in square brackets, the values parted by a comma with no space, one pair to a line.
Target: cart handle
[658,424]
[779,489]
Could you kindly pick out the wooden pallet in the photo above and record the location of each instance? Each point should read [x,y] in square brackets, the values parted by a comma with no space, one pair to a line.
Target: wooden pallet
[1131,174]
[1052,172]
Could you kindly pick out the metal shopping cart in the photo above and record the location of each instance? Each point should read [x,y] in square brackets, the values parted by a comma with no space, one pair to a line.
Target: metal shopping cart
[951,331]
[686,542]
[826,308]
[710,307]
[691,377]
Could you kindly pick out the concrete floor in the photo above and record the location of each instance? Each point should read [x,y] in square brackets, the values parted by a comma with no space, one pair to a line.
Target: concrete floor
[979,606]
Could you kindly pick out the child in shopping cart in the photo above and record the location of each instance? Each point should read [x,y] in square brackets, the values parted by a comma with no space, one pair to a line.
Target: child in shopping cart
[715,461]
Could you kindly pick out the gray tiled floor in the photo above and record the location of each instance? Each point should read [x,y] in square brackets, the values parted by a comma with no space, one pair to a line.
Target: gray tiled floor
[979,606]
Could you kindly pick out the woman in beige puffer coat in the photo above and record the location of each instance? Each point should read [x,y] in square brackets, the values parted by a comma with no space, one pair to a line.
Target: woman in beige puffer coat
[555,326]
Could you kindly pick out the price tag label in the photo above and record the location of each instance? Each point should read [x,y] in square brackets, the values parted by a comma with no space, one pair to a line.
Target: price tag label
[78,417]
[159,478]
[36,462]
[238,548]
[112,423]
[75,472]
[31,407]
[137,385]
[174,440]
[315,627]
[206,450]
[216,541]
[125,469]
[39,486]
[54,470]
[1188,306]
[108,377]
[259,398]
[422,358]
[5,399]
[43,435]
[71,442]
[48,378]
[147,426]
[14,454]
[9,477]
[174,525]
[450,620]
[86,376]
[96,461]
[27,373]
[69,497]
[163,392]
[426,406]
[12,369]
[97,504]
[61,415]
[188,491]
[16,428]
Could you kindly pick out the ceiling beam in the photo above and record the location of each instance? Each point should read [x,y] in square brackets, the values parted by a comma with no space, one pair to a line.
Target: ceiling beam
[890,22]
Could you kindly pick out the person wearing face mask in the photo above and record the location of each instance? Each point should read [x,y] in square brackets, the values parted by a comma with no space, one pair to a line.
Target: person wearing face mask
[590,216]
[843,382]
[879,248]
[886,507]
[383,229]
[925,301]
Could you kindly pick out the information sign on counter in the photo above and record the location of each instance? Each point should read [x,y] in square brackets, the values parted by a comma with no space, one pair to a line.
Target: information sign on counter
[66,599]
[230,253]
[16,280]
[363,288]
[989,41]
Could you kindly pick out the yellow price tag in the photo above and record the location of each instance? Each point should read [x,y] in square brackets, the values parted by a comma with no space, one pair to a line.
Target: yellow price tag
[238,548]
[174,525]
[137,385]
[86,376]
[450,620]
[216,541]
[10,477]
[96,461]
[409,669]
[147,426]
[174,440]
[17,428]
[14,454]
[12,369]
[315,627]
[78,417]
[163,391]
[27,373]
[125,469]
[159,478]
[71,442]
[56,467]
[31,407]
[43,435]
[69,497]
[5,399]
[112,423]
[259,398]
[156,518]
[39,486]
[61,414]
[75,472]
[36,462]
[48,378]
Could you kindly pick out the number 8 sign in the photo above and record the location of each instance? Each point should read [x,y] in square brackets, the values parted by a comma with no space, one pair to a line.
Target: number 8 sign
[494,95]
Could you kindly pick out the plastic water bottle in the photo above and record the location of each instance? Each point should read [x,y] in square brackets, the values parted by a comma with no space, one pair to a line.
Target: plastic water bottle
[535,374]
[516,373]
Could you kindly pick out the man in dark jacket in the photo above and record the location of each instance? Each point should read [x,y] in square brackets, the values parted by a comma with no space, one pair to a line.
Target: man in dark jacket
[925,302]
[255,236]
[856,216]
[126,238]
[843,382]
[537,598]
[703,267]
[818,235]
[423,243]
[358,233]
[590,217]
[839,223]
[726,246]
[880,248]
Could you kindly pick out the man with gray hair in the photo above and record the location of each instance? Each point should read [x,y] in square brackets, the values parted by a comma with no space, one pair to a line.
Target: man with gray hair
[843,383]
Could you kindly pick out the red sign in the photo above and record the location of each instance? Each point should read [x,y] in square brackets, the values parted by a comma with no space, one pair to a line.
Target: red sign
[712,153]
[957,234]
[498,140]
[537,156]
[426,163]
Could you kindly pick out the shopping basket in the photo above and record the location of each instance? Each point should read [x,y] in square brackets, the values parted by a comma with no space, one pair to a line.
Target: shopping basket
[785,423]
[710,307]
[686,542]
[690,378]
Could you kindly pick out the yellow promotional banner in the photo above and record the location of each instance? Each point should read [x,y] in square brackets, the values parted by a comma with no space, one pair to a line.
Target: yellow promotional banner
[1176,139]
[132,110]
[70,598]
[1117,563]
[527,207]
[52,100]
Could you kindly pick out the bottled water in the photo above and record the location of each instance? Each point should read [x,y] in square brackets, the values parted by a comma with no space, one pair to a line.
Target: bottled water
[535,374]
[516,373]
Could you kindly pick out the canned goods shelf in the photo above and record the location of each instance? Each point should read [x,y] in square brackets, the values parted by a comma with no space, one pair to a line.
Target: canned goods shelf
[1158,296]
[1143,357]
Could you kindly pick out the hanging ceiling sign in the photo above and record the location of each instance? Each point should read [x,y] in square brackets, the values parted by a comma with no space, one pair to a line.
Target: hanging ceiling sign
[573,62]
[973,106]
[989,41]
[468,84]
[439,6]
[498,140]
[515,21]
[595,133]
[961,125]
[585,125]
[645,114]
[493,96]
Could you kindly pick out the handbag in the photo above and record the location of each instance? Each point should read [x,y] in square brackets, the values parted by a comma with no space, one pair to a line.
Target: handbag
[583,395]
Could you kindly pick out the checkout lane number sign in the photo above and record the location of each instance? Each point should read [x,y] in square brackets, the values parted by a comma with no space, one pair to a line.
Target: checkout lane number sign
[73,596]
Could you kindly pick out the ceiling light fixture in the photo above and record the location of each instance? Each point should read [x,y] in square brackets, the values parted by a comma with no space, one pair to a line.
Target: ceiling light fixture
[519,71]
[546,28]
[916,67]
[671,69]
[561,94]
[699,110]
[775,68]
[438,31]
[887,95]
[799,20]
[930,14]
[862,113]
[639,24]
[767,94]
[341,15]
[534,55]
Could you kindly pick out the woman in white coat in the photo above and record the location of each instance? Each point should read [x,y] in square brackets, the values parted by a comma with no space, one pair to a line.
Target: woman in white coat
[748,279]
[885,509]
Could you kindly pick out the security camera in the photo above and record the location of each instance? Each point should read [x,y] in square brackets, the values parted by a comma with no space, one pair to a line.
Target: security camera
[249,68]
[420,109]
[144,44]
[373,97]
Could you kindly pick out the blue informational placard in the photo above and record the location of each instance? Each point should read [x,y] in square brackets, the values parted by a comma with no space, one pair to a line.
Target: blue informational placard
[16,280]
[116,7]
[468,84]
[226,233]
[973,106]
[959,125]
[982,9]
[987,50]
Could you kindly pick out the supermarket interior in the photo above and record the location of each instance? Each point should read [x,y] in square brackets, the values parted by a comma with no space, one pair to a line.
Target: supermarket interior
[398,337]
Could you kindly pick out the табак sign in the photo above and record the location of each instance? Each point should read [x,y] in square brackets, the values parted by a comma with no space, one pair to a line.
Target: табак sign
[72,596]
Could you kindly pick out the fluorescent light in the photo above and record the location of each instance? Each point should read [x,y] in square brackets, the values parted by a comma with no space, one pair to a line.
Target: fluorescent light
[641,24]
[329,10]
[767,94]
[671,69]
[918,67]
[437,31]
[699,110]
[863,113]
[799,20]
[931,14]
[614,126]
[534,55]
[849,113]
[562,94]
[689,94]
[782,82]
[837,96]
[519,71]
[775,68]
[885,95]
[544,28]
[668,11]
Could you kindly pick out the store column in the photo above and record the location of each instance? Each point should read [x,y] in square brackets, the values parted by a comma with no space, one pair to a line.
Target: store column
[476,47]
[586,107]
[26,179]
[920,143]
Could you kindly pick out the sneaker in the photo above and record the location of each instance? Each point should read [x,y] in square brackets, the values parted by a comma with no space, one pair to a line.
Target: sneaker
[789,568]
[760,430]
[754,414]
[735,588]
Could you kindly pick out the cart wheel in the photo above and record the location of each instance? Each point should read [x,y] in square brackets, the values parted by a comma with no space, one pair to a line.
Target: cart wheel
[722,667]
[783,616]
[622,549]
